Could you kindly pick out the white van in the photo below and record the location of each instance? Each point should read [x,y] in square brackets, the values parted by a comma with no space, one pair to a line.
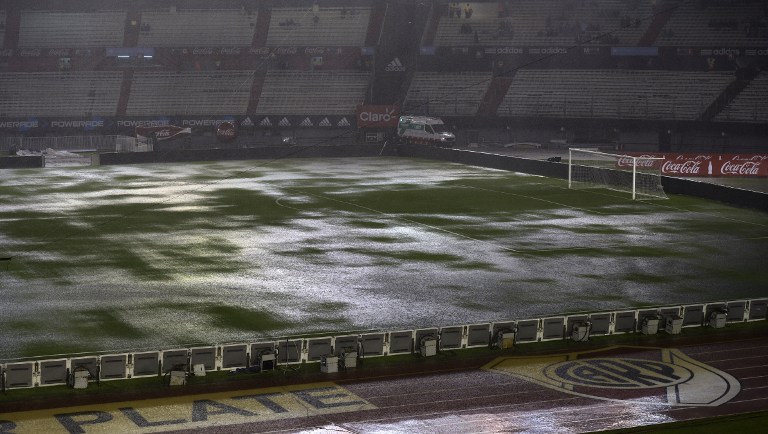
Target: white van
[424,130]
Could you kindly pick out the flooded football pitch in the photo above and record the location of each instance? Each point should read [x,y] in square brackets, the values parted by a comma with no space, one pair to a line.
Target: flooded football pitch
[155,256]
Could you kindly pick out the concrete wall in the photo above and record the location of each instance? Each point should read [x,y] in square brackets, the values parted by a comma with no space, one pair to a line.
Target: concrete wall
[21,162]
[721,193]
[272,152]
[513,164]
[730,195]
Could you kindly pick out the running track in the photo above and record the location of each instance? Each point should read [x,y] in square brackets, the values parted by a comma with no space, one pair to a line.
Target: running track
[486,400]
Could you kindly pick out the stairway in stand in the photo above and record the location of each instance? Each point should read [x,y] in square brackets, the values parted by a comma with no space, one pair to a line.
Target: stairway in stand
[494,96]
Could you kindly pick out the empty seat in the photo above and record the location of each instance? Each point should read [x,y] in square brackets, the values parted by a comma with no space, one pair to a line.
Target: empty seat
[447,94]
[82,93]
[208,27]
[190,93]
[750,105]
[326,26]
[617,94]
[547,23]
[48,29]
[326,92]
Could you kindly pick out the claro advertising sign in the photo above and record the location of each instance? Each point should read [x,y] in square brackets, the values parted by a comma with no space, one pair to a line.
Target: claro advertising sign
[377,116]
[715,165]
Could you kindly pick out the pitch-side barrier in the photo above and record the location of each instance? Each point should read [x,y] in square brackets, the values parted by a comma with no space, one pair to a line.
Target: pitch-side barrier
[113,143]
[343,350]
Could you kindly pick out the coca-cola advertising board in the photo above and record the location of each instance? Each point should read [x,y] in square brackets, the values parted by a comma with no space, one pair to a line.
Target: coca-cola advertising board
[690,164]
[226,132]
[162,132]
[377,116]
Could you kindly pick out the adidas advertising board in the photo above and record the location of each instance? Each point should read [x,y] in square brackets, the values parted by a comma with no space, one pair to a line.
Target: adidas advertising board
[395,66]
[302,121]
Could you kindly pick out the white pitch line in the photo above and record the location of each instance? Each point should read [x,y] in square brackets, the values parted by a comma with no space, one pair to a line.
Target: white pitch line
[375,211]
[660,204]
[277,202]
[576,248]
[532,198]
[510,249]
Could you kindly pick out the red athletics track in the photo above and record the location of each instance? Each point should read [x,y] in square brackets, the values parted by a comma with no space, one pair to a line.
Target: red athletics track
[575,391]
[488,401]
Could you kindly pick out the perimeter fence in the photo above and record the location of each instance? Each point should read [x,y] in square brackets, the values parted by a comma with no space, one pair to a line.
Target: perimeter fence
[73,143]
[343,350]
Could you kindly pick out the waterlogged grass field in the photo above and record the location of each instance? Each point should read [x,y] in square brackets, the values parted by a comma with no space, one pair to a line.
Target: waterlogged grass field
[155,256]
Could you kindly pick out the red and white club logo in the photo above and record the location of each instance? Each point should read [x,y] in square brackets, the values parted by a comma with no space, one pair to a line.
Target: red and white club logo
[226,132]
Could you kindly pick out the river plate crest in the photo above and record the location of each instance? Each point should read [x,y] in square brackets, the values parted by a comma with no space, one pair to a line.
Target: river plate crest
[639,374]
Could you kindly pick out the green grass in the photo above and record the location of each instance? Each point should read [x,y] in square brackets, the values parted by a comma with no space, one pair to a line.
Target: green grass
[239,318]
[47,347]
[646,278]
[100,322]
[173,233]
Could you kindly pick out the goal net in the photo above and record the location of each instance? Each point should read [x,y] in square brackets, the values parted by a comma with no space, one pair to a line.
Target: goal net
[640,176]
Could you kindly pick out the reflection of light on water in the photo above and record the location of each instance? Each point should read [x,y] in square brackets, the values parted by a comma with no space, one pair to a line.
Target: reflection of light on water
[365,265]
[566,419]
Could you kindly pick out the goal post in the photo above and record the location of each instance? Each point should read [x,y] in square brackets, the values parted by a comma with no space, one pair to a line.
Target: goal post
[640,176]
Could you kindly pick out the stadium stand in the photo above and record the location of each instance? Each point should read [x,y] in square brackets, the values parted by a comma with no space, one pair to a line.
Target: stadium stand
[88,93]
[49,29]
[643,59]
[737,24]
[327,92]
[545,22]
[2,28]
[612,94]
[751,105]
[447,94]
[321,26]
[189,93]
[184,28]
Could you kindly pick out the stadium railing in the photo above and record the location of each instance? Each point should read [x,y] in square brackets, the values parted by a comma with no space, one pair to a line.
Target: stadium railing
[58,369]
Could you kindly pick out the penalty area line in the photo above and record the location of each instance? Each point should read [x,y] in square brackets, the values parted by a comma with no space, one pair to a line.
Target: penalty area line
[278,203]
[532,198]
[614,246]
[413,222]
[661,204]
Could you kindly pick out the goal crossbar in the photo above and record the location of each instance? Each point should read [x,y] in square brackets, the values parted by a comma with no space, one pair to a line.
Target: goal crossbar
[593,168]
